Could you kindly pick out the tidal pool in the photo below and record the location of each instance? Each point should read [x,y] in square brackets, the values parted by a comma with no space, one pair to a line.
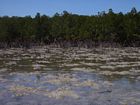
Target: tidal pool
[70,76]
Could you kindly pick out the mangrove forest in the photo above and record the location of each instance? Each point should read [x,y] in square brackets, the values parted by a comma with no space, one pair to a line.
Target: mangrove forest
[105,27]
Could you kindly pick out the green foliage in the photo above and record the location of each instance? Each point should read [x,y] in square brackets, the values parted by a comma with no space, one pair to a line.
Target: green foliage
[110,27]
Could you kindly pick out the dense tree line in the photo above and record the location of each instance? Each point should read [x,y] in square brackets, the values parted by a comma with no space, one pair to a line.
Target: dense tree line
[104,27]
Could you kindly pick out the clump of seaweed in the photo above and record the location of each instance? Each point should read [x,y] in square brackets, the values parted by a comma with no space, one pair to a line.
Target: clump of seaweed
[22,90]
[62,79]
[61,93]
[88,83]
[57,94]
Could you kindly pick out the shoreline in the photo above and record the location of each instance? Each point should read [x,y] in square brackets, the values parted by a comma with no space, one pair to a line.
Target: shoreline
[67,44]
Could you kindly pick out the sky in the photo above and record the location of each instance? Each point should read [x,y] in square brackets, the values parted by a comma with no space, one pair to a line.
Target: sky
[50,7]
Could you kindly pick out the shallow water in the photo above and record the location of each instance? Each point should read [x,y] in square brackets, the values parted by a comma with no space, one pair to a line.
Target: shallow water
[73,76]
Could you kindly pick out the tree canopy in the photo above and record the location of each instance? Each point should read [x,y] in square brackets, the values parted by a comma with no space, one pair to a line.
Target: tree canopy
[110,27]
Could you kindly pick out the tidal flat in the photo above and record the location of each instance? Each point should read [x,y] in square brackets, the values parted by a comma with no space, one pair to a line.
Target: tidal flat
[70,76]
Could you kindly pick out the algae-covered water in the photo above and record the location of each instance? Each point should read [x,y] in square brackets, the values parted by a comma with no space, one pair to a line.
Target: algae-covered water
[72,76]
